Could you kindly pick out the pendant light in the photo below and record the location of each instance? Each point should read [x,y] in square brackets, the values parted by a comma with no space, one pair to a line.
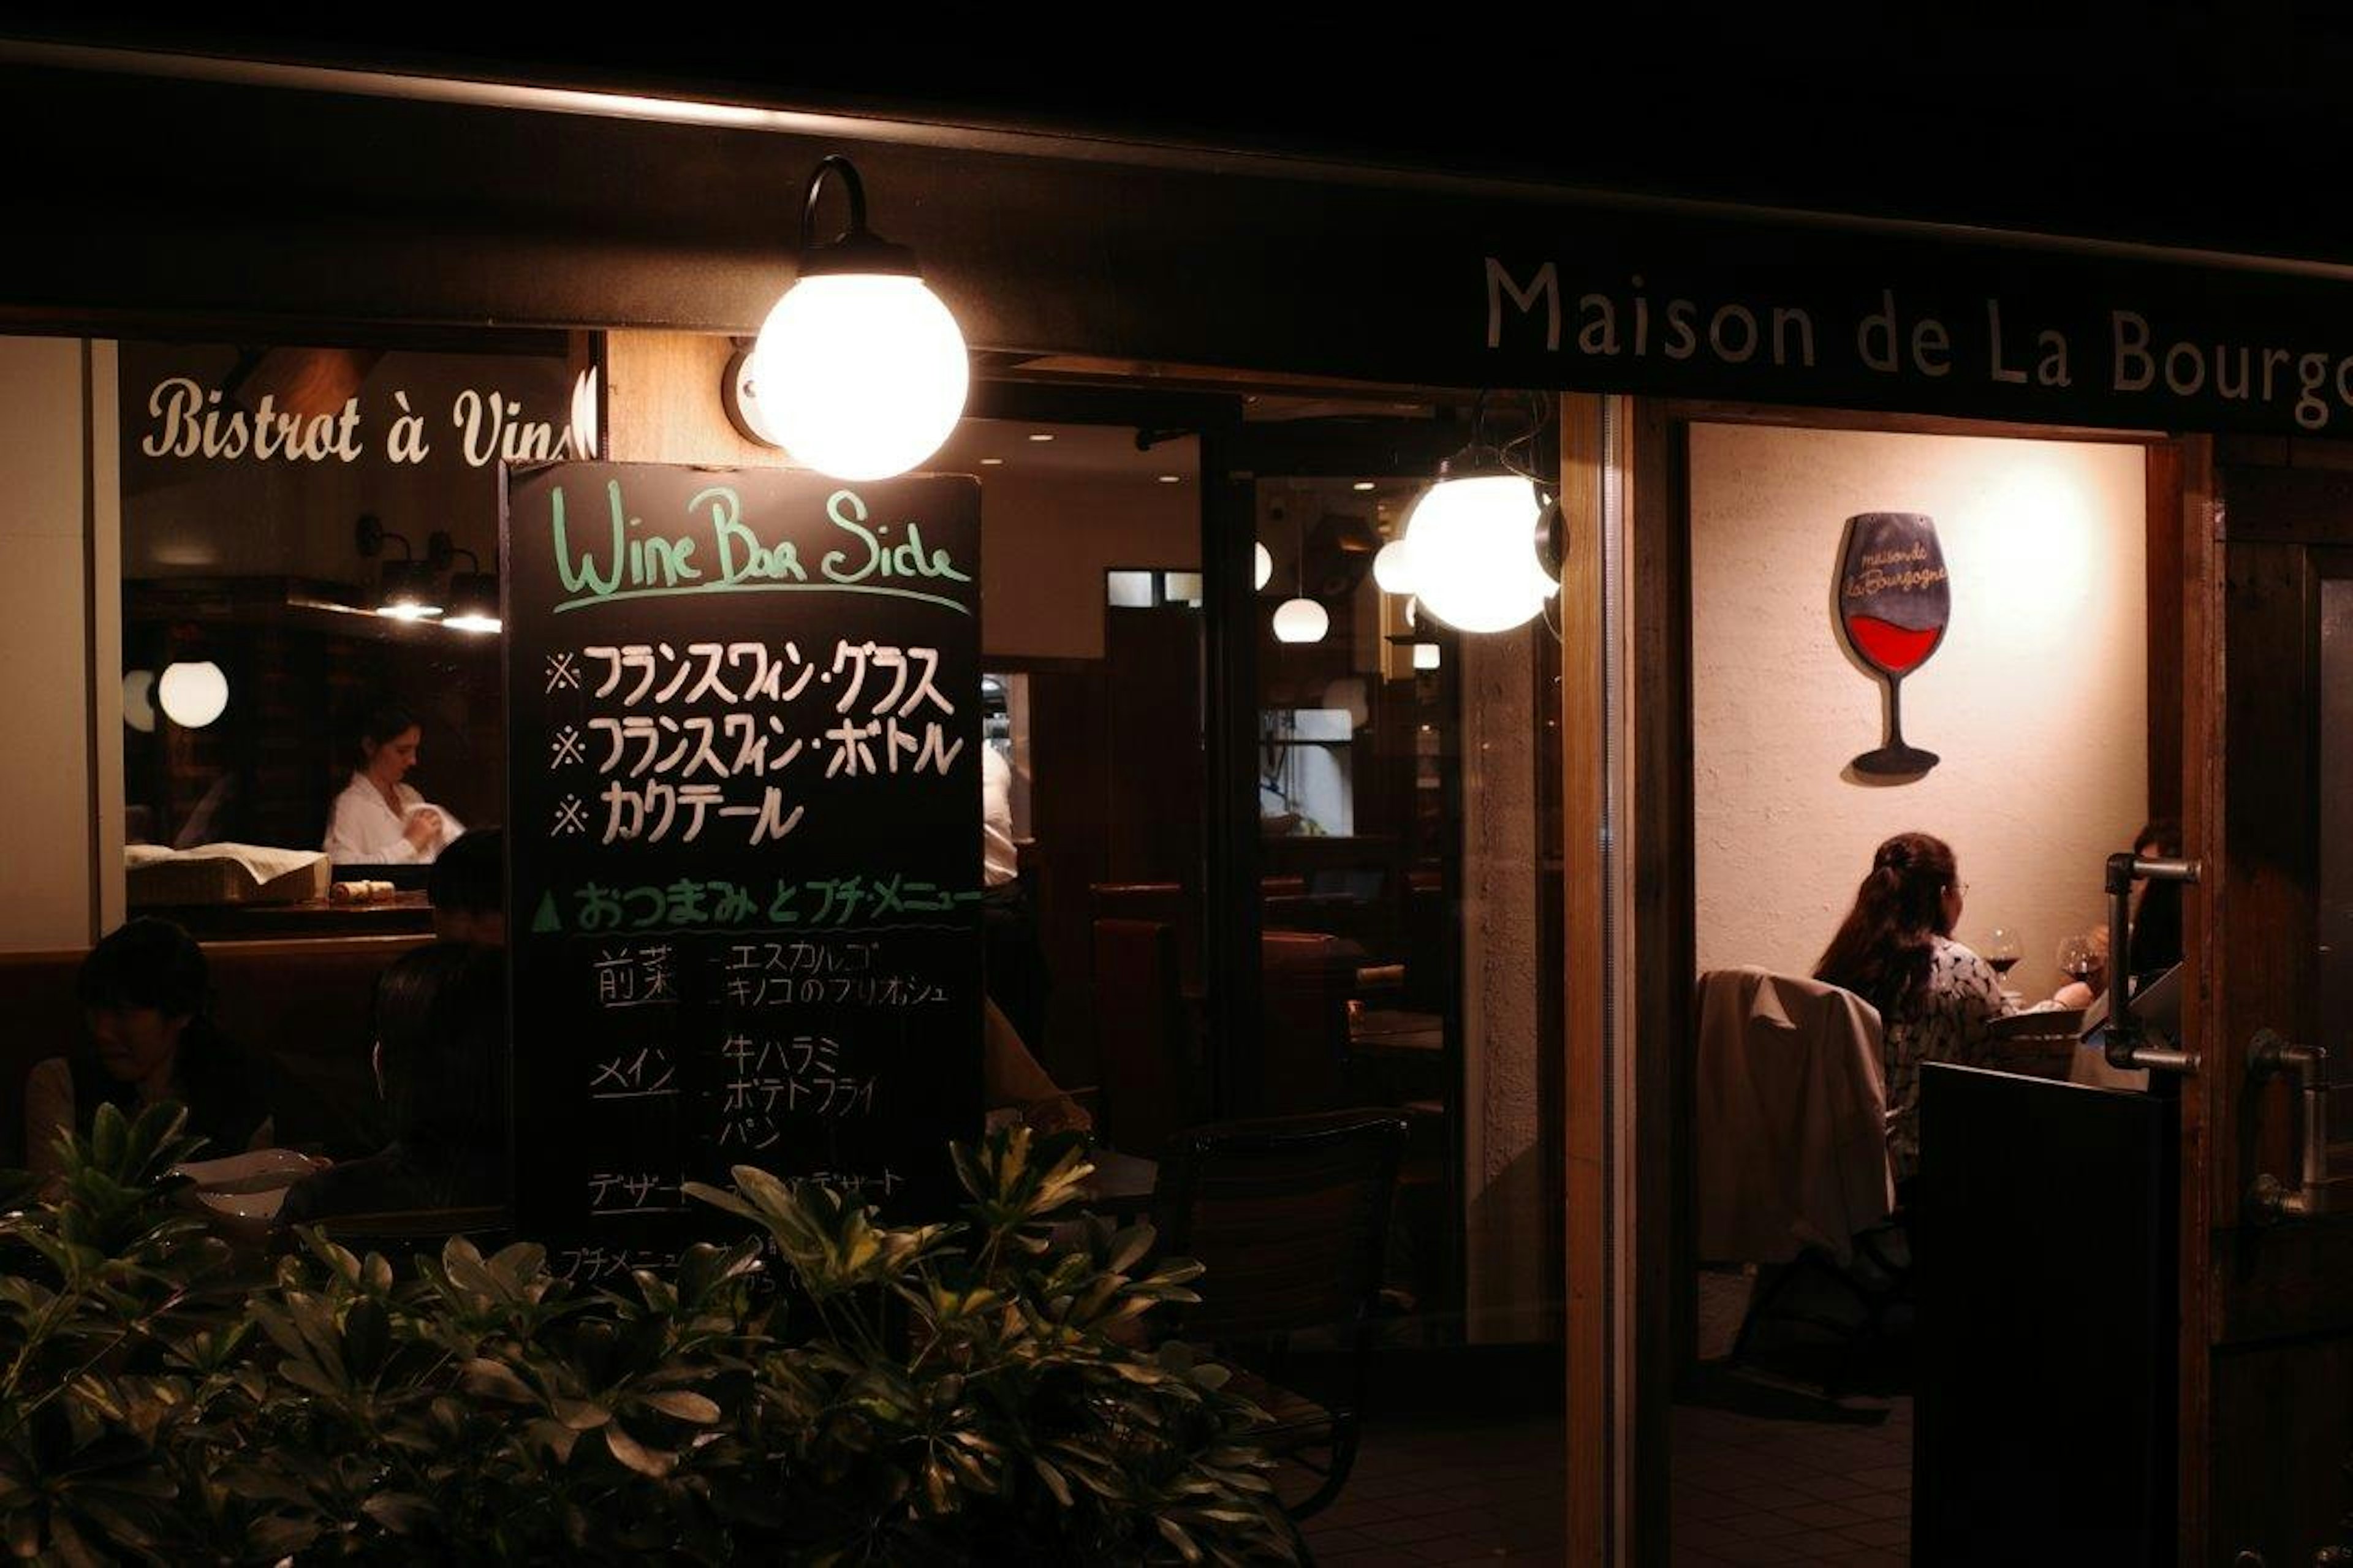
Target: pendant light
[1476,537]
[1262,566]
[1301,620]
[193,693]
[859,371]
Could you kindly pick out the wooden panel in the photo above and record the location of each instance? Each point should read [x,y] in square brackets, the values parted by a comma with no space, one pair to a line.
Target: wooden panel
[2310,504]
[2283,1422]
[2165,631]
[1661,934]
[2264,952]
[1584,761]
[662,398]
[2199,700]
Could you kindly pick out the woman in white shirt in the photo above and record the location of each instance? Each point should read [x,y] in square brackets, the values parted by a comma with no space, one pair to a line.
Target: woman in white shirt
[378,820]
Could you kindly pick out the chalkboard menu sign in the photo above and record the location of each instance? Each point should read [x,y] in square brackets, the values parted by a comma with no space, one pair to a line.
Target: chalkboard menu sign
[743,825]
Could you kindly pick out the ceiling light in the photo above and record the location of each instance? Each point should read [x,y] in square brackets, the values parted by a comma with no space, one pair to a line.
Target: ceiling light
[991,462]
[1301,620]
[1041,434]
[1172,478]
[859,371]
[193,695]
[1262,567]
[1393,567]
[1362,485]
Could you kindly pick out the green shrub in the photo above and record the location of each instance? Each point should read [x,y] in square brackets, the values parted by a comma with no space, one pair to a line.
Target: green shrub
[942,1394]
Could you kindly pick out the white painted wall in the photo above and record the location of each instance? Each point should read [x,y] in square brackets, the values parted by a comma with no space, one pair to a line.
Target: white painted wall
[2037,700]
[46,896]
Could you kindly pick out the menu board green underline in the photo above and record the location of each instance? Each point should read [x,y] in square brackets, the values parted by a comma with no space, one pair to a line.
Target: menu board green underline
[618,595]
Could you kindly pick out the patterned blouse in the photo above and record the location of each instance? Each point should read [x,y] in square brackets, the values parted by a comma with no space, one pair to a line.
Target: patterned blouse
[1946,1023]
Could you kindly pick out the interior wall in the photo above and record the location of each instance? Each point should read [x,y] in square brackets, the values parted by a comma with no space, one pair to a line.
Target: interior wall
[46,862]
[2036,701]
[1044,544]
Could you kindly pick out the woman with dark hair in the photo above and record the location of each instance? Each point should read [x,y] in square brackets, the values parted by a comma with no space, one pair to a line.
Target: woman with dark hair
[1935,996]
[378,820]
[144,991]
[440,1065]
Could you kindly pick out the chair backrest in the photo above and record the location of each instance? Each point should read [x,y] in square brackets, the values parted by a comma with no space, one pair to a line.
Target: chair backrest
[1305,981]
[1172,903]
[1289,1216]
[300,1006]
[1149,1084]
[1789,1120]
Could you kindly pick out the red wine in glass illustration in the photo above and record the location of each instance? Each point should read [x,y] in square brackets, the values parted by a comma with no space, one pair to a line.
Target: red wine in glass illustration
[1894,602]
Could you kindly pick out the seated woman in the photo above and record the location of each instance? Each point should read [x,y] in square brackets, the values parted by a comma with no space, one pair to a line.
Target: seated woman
[144,991]
[1935,996]
[378,820]
[440,1065]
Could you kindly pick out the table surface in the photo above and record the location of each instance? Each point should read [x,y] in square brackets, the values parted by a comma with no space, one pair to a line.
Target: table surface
[1395,1030]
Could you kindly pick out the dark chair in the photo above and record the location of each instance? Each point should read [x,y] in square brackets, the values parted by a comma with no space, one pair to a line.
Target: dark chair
[1290,1218]
[1150,1080]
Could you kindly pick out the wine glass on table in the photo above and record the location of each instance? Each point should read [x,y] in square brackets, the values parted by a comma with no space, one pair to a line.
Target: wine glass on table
[2077,961]
[2002,951]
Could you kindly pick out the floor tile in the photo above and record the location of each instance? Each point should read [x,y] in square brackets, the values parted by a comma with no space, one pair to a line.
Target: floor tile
[1879,1532]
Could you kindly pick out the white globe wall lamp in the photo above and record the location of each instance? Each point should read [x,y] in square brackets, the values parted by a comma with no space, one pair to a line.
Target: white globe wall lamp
[1478,541]
[859,371]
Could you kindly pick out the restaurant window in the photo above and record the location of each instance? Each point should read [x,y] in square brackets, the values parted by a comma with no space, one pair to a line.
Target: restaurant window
[310,547]
[1379,942]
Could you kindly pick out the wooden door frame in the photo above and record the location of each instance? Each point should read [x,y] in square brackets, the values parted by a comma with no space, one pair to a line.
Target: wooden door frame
[1654,922]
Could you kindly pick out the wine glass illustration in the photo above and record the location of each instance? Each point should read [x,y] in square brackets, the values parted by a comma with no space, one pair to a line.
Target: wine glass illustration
[1894,601]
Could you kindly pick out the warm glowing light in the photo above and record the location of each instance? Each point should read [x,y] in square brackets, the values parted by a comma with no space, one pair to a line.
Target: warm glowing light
[139,699]
[1362,485]
[1262,571]
[1475,553]
[1393,567]
[1301,620]
[858,376]
[193,695]
[1425,656]
[584,415]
